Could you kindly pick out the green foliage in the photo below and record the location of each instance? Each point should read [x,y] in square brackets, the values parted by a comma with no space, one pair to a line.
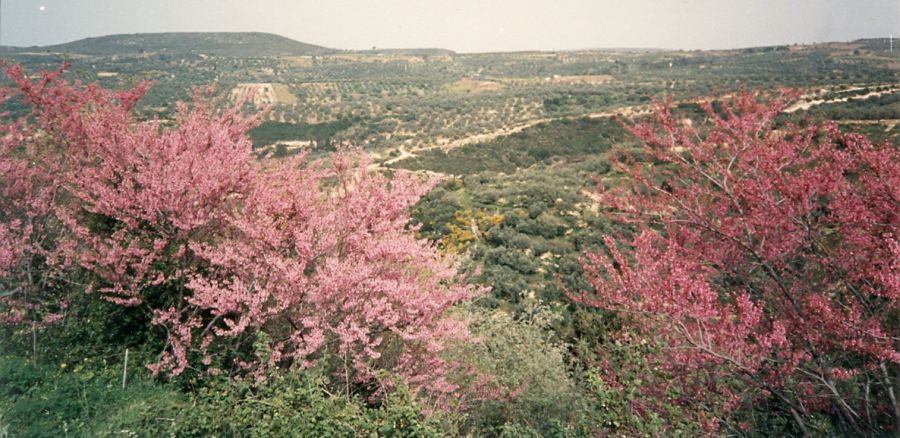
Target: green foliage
[94,335]
[519,354]
[621,405]
[323,134]
[81,399]
[298,404]
[87,400]
[547,223]
[886,106]
[547,142]
[401,416]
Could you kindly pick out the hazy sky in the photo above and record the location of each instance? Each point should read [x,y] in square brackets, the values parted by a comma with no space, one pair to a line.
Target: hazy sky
[465,25]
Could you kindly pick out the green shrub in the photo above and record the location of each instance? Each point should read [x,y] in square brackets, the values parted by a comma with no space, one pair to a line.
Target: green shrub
[519,354]
[298,404]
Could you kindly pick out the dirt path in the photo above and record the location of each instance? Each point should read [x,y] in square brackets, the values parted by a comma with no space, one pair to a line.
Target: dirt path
[625,111]
[488,136]
[805,105]
[404,154]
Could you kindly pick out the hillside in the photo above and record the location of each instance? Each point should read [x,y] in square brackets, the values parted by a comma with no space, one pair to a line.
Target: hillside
[236,44]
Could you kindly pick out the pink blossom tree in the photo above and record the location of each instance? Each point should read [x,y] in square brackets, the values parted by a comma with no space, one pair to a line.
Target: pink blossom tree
[766,263]
[306,260]
[26,227]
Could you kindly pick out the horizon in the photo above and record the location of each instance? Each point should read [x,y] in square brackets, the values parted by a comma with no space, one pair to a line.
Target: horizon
[466,26]
[374,48]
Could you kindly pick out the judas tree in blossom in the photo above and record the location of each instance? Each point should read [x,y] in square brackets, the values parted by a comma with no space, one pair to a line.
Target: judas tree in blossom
[305,260]
[765,261]
[26,227]
[330,269]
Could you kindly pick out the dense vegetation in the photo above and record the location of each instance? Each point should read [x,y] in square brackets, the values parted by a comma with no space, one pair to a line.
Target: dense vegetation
[566,140]
[269,133]
[194,267]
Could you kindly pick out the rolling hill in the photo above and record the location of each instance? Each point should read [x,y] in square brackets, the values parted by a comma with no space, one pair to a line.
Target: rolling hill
[236,44]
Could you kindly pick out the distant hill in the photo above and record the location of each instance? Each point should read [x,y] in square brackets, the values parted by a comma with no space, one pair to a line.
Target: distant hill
[238,44]
[411,52]
[879,44]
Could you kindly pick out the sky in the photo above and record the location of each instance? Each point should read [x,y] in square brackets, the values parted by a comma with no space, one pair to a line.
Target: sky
[465,25]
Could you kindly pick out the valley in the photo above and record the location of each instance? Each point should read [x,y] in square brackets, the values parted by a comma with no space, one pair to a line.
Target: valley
[424,99]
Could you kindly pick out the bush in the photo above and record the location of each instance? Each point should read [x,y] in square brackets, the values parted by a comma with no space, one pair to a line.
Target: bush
[298,404]
[518,354]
